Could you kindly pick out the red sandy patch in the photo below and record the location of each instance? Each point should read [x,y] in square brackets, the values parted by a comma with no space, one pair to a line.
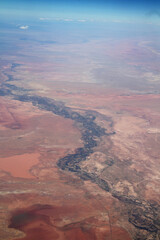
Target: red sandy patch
[19,165]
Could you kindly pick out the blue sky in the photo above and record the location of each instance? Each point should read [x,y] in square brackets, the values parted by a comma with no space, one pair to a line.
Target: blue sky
[88,9]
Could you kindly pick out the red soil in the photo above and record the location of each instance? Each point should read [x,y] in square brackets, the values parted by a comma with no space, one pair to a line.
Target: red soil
[19,165]
[39,223]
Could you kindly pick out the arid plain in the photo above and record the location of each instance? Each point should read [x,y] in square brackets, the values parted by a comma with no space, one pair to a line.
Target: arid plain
[79,137]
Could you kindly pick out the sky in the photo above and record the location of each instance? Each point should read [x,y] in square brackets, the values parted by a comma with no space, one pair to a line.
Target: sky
[113,10]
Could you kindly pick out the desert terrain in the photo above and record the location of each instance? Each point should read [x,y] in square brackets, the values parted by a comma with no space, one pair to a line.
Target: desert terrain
[79,141]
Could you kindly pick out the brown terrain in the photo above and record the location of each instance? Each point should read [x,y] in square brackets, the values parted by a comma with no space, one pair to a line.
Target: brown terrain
[80,160]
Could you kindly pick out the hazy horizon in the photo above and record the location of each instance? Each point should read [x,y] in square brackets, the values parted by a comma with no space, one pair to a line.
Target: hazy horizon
[116,11]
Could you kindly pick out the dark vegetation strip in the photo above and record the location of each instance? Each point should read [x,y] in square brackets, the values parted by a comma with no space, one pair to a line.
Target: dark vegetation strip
[90,133]
[143,215]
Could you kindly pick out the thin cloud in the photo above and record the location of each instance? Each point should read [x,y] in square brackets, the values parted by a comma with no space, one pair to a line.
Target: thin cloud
[68,20]
[24,27]
[153,13]
[56,19]
[45,19]
[82,20]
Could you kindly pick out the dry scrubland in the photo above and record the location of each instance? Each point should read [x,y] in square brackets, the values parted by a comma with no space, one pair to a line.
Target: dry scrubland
[80,160]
